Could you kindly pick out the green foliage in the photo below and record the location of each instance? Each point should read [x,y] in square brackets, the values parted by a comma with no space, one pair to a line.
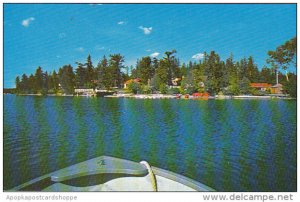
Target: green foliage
[163,88]
[291,86]
[173,91]
[145,70]
[252,71]
[67,79]
[244,86]
[115,66]
[210,74]
[187,85]
[162,72]
[134,87]
[38,77]
[267,75]
[215,70]
[155,82]
[233,90]
[18,84]
[146,89]
[80,76]
[254,91]
[85,74]
[284,55]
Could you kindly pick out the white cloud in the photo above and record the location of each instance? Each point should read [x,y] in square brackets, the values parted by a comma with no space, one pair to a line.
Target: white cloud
[155,54]
[62,35]
[198,56]
[148,50]
[146,30]
[81,49]
[121,23]
[27,21]
[99,47]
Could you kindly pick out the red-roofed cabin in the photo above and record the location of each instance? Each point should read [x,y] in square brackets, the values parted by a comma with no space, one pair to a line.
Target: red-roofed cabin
[261,86]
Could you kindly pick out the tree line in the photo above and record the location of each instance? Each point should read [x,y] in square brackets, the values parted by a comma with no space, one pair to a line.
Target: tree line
[210,74]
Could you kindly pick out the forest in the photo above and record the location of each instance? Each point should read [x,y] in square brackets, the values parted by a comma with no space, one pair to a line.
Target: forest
[210,74]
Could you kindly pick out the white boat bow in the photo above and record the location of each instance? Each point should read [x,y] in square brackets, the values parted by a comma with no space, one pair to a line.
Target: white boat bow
[106,173]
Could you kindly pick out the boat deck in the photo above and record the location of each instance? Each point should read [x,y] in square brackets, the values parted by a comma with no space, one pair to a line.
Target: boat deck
[112,174]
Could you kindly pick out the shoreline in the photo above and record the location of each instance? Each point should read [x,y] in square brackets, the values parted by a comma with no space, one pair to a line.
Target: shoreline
[164,96]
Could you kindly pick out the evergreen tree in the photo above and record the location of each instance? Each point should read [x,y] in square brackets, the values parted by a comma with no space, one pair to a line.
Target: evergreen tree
[214,75]
[243,68]
[80,76]
[245,85]
[145,70]
[67,79]
[45,86]
[252,70]
[266,75]
[104,77]
[115,66]
[24,84]
[232,71]
[183,70]
[162,72]
[90,76]
[31,84]
[172,66]
[18,84]
[55,82]
[38,77]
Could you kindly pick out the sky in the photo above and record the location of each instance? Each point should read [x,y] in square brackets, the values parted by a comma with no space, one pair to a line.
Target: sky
[52,35]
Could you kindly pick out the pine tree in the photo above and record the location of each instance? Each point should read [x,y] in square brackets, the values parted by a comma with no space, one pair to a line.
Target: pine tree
[67,79]
[90,75]
[145,70]
[24,87]
[115,66]
[38,76]
[18,84]
[80,76]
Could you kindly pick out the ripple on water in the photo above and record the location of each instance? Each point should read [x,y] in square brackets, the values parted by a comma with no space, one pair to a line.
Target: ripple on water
[231,145]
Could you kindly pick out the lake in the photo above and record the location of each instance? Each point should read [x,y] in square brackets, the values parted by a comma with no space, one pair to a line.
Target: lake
[229,145]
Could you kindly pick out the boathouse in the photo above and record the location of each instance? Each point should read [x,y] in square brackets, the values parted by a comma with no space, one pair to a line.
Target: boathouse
[277,89]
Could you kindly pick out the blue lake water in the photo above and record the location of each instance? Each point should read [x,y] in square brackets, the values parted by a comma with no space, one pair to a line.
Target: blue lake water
[230,145]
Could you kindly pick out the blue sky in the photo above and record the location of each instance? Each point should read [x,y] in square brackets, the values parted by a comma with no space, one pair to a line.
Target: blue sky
[51,35]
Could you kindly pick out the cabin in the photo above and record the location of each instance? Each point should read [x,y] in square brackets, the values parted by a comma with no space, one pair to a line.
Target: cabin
[137,80]
[277,89]
[261,86]
[176,81]
[84,91]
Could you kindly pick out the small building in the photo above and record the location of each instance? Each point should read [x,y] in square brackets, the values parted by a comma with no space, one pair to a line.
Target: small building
[261,86]
[199,95]
[137,80]
[176,81]
[84,91]
[277,89]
